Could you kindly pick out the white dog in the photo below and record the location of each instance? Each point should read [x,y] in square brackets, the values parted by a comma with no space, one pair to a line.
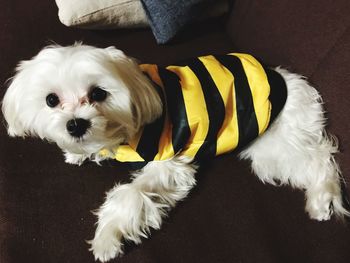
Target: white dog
[94,102]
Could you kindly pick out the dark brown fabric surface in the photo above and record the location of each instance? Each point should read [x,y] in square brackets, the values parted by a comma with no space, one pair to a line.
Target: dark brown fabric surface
[308,37]
[230,216]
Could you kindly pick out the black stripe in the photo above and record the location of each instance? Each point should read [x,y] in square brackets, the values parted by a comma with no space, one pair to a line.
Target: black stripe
[148,144]
[247,122]
[215,108]
[176,107]
[278,92]
[136,165]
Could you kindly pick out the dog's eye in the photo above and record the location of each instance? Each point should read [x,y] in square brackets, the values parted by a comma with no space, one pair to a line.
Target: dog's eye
[52,100]
[97,94]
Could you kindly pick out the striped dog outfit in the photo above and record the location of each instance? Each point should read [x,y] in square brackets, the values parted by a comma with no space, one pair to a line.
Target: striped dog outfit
[211,105]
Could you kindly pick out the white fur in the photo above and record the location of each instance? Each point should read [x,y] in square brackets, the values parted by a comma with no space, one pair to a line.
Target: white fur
[300,152]
[130,210]
[296,149]
[70,72]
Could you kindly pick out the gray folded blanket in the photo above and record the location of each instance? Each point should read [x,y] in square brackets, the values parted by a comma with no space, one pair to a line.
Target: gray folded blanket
[167,17]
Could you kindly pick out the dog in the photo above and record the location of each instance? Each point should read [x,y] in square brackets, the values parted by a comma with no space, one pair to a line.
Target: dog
[97,104]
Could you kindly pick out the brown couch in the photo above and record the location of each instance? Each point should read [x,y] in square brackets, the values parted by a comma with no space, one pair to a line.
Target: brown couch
[45,204]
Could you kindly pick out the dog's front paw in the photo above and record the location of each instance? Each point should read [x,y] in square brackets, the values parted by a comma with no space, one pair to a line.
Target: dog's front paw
[73,158]
[106,245]
[127,214]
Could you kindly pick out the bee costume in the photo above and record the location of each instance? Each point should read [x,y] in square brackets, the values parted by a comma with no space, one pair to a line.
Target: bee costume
[211,105]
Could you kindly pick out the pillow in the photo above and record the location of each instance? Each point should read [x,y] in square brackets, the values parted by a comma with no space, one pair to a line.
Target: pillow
[168,17]
[101,13]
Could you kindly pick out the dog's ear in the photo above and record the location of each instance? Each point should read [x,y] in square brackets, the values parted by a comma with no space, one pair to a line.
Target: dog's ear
[12,104]
[118,55]
[145,102]
[11,110]
[18,102]
[115,53]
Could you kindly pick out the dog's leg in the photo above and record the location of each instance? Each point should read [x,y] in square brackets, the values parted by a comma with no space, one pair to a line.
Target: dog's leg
[73,158]
[130,210]
[296,150]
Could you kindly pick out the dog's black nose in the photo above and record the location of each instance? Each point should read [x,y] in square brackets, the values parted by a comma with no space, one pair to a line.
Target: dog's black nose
[78,127]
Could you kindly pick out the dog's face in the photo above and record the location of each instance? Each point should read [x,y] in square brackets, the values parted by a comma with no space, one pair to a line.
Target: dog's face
[81,97]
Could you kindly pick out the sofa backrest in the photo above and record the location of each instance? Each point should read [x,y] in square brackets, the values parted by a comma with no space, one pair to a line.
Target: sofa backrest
[296,33]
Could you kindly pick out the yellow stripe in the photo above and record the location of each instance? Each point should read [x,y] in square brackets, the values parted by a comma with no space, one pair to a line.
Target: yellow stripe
[228,135]
[127,153]
[124,153]
[259,87]
[197,114]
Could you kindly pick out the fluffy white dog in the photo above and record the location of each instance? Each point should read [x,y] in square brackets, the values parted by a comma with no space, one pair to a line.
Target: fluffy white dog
[93,101]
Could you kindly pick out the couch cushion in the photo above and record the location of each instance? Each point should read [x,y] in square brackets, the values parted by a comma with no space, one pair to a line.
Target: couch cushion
[102,14]
[167,17]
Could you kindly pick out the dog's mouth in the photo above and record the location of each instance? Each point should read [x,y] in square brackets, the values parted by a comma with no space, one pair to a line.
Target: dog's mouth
[81,139]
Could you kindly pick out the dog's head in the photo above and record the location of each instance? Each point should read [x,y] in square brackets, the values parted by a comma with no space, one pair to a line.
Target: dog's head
[81,97]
